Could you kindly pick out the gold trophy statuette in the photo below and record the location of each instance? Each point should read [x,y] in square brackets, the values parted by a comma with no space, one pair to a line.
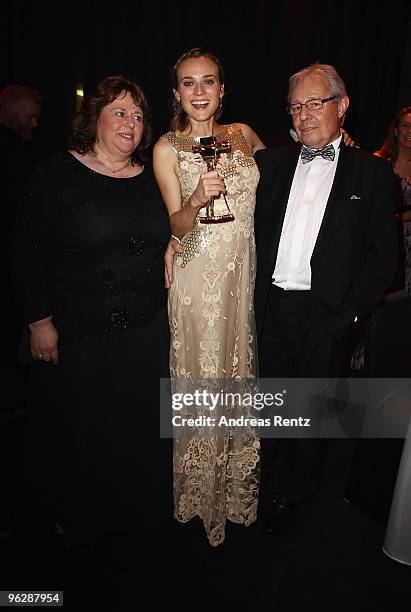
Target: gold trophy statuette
[210,148]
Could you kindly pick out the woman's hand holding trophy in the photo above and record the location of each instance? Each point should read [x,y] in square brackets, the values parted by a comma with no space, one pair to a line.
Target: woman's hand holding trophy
[210,148]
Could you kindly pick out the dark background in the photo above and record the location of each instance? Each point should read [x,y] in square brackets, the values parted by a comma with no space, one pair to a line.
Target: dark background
[54,46]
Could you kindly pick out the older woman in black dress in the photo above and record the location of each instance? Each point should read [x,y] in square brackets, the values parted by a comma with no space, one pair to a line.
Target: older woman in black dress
[88,245]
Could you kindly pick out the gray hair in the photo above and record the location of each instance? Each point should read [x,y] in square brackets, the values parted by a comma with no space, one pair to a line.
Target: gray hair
[329,73]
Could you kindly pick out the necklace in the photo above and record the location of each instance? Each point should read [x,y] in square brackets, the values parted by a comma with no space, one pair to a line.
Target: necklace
[113,172]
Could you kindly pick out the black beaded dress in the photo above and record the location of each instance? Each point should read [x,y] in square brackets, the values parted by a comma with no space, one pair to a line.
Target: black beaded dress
[88,250]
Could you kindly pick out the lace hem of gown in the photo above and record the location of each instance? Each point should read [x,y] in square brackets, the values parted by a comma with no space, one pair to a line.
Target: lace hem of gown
[199,488]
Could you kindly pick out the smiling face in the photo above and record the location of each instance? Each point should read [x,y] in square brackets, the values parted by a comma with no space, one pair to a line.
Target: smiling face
[199,89]
[120,127]
[404,131]
[317,128]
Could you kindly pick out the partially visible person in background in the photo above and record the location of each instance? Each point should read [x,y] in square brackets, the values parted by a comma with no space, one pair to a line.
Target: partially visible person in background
[20,108]
[87,254]
[397,150]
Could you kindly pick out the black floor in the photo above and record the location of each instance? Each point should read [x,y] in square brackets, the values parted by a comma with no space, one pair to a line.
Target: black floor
[331,561]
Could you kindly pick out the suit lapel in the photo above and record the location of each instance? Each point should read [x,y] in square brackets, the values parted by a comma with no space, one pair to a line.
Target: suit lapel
[336,201]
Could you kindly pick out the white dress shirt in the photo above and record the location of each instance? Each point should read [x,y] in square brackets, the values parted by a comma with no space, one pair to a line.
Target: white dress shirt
[306,205]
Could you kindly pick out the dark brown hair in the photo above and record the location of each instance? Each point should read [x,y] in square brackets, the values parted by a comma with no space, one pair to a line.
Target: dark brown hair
[179,119]
[83,134]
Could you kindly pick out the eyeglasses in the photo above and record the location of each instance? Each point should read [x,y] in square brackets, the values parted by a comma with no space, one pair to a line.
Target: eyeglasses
[312,105]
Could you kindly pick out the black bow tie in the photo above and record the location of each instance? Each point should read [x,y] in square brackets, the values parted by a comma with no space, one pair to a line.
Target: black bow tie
[308,155]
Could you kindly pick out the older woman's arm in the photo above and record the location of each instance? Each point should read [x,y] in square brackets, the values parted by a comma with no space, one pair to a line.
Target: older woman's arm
[43,340]
[31,249]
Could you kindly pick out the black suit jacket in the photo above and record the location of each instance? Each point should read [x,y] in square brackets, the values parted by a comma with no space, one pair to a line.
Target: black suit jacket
[355,254]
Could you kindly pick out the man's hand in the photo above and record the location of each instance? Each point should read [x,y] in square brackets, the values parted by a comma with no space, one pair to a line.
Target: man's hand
[173,247]
[43,341]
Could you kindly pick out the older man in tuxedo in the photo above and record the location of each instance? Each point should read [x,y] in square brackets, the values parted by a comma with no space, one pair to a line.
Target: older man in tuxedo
[326,252]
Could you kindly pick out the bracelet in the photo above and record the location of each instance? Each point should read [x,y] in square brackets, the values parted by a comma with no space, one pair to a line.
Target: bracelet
[175,238]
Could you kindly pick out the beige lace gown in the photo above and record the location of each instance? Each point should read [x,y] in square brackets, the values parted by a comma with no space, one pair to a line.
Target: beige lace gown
[211,318]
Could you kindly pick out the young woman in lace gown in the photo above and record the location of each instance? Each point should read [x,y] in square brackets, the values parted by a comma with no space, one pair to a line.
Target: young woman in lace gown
[211,298]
